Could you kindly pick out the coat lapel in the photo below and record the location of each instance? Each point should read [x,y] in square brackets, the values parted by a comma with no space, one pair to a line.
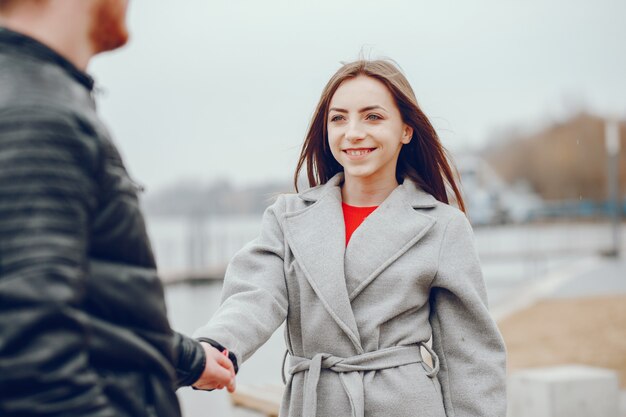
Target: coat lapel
[316,236]
[386,234]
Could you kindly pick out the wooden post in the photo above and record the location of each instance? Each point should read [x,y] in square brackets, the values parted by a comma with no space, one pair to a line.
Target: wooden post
[611,136]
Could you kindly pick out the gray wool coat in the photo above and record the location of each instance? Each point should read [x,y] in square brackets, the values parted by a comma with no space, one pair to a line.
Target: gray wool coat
[358,316]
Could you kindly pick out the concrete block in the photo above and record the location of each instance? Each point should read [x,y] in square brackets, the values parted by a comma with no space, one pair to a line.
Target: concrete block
[564,391]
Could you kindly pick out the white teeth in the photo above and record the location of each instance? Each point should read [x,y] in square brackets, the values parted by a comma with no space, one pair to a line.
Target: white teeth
[357,152]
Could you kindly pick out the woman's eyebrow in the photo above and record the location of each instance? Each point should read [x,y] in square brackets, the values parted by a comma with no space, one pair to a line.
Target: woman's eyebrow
[364,109]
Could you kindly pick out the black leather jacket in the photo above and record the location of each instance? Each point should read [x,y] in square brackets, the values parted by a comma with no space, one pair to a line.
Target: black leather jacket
[83,326]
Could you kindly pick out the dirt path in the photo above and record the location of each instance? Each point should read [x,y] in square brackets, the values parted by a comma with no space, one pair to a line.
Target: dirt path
[589,330]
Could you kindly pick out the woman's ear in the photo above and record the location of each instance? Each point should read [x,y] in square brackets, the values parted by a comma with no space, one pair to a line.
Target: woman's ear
[407,134]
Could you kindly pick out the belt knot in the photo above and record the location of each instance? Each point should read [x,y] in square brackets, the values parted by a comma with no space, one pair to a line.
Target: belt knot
[350,371]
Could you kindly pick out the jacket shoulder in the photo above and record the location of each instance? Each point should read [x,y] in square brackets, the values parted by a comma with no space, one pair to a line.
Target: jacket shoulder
[44,129]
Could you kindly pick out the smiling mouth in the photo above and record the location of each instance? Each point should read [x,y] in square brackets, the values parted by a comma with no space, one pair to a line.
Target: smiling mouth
[358,152]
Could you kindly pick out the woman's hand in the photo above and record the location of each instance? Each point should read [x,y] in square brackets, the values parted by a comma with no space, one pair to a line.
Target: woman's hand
[218,371]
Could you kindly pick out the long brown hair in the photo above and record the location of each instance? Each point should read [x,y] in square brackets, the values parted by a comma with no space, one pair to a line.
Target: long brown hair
[423,160]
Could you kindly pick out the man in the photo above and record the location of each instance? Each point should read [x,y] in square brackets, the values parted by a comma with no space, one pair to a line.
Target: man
[83,327]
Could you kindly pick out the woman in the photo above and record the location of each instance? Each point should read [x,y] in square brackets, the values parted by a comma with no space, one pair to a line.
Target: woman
[360,307]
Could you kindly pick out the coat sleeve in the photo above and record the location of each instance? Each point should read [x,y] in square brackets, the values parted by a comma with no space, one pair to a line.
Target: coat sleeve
[47,192]
[254,297]
[470,348]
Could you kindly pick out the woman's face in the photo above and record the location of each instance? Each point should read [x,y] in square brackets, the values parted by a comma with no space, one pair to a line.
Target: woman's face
[365,129]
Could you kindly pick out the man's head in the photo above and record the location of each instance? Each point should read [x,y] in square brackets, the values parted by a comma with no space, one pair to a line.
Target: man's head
[78,29]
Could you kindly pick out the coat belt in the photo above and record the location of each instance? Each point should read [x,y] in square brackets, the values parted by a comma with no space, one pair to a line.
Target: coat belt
[350,371]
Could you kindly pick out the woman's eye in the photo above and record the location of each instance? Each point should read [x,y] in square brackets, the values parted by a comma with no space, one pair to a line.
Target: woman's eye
[336,118]
[373,117]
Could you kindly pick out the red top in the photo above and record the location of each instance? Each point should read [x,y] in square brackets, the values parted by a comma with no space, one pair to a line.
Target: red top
[353,217]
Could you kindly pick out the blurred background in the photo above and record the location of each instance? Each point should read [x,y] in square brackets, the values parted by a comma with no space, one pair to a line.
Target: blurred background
[210,102]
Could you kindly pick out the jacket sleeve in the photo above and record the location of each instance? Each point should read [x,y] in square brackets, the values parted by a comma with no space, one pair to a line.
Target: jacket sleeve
[190,360]
[47,191]
[254,296]
[470,348]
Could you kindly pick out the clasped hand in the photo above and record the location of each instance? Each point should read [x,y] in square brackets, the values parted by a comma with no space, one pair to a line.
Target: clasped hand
[218,371]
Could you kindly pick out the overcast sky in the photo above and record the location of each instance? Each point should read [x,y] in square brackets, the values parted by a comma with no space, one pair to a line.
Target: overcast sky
[211,89]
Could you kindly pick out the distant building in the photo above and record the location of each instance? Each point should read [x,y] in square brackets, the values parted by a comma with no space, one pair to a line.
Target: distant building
[565,163]
[491,200]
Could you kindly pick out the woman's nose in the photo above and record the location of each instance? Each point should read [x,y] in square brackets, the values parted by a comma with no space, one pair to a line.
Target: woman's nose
[354,132]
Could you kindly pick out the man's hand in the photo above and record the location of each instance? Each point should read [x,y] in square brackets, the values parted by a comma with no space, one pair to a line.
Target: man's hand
[218,371]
